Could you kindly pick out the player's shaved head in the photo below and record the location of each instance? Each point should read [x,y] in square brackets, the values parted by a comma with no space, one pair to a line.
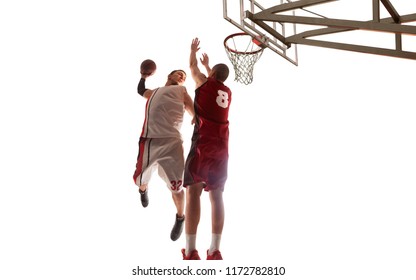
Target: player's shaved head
[221,72]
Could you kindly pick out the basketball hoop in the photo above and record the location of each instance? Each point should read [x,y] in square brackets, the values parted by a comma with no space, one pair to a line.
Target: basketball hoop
[243,51]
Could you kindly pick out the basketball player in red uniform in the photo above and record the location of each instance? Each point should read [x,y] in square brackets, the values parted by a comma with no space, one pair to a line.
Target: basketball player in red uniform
[207,161]
[161,143]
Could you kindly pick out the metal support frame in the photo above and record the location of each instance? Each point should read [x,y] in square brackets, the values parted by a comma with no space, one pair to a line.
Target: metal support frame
[395,24]
[278,29]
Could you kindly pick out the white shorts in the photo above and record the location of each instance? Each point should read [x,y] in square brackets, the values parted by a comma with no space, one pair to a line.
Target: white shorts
[164,154]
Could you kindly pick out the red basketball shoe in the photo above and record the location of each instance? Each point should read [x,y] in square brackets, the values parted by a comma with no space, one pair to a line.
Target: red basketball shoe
[192,256]
[216,255]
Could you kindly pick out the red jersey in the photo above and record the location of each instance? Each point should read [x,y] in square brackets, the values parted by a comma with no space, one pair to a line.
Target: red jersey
[207,160]
[212,102]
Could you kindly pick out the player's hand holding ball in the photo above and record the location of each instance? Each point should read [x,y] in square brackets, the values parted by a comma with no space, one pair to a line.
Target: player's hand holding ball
[147,68]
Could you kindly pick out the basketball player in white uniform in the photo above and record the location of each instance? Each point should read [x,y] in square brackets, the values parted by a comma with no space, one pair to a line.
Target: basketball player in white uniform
[161,143]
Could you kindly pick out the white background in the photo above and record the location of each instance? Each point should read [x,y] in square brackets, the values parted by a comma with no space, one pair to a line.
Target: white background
[322,156]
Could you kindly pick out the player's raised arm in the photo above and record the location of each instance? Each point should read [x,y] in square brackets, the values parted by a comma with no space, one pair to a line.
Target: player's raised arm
[142,90]
[147,69]
[196,74]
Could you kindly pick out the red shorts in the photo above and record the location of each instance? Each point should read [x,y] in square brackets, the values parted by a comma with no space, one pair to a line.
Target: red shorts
[207,162]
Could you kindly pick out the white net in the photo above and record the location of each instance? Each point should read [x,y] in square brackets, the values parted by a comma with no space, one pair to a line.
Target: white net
[243,54]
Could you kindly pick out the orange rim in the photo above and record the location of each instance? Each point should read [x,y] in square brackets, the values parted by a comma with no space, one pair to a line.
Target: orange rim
[236,51]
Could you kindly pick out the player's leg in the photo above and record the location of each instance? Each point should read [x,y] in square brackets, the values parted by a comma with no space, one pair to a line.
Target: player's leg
[217,216]
[217,210]
[143,188]
[144,168]
[179,200]
[171,165]
[193,175]
[193,215]
[216,190]
[193,207]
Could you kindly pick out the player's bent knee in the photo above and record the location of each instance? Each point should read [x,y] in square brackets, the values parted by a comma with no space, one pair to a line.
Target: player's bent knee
[195,189]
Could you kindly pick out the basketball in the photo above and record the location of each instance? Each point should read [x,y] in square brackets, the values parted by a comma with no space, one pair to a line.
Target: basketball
[148,67]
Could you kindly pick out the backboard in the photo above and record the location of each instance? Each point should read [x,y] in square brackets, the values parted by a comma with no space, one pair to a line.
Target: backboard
[283,24]
[269,33]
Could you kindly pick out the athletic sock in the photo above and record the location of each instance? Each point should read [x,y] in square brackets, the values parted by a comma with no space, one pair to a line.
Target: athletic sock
[190,243]
[215,243]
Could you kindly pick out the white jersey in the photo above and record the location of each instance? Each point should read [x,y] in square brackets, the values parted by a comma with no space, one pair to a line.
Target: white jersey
[164,112]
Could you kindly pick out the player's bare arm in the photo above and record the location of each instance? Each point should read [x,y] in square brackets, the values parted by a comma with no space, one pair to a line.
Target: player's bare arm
[196,74]
[189,104]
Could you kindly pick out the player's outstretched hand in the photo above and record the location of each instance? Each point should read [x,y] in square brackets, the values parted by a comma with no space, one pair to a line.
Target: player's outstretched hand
[195,45]
[204,59]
